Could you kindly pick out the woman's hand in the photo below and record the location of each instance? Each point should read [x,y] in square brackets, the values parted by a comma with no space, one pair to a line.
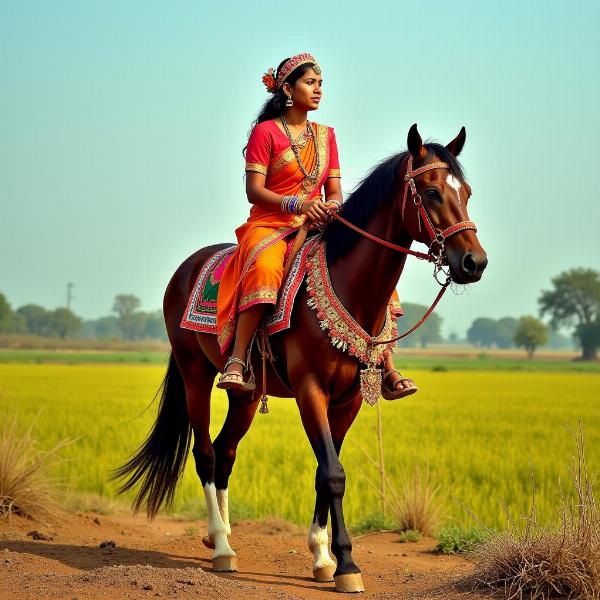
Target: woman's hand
[333,207]
[316,210]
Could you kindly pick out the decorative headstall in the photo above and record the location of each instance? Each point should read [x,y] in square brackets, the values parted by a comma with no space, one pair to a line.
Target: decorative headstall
[371,377]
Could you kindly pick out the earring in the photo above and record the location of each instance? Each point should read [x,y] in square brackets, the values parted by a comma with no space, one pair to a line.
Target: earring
[289,102]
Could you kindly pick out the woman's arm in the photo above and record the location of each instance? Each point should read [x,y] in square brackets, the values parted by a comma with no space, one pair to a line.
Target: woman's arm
[333,189]
[258,194]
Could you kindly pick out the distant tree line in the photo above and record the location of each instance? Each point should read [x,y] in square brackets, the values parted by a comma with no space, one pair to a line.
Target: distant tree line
[129,323]
[573,302]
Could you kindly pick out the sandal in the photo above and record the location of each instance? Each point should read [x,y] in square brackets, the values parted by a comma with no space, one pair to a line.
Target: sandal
[235,381]
[392,392]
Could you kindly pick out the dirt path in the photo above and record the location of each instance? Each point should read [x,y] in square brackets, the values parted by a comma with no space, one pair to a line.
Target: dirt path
[166,559]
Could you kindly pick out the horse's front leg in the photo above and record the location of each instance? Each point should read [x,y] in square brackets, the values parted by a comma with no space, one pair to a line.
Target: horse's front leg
[312,403]
[318,539]
[340,417]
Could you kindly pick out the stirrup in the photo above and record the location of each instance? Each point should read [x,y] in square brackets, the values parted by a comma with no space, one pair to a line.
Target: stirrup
[392,392]
[235,381]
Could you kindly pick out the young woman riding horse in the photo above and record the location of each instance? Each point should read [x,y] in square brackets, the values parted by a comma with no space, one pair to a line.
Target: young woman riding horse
[289,160]
[418,195]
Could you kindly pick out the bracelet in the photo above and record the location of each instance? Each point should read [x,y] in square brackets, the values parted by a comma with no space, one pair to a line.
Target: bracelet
[299,206]
[337,203]
[289,204]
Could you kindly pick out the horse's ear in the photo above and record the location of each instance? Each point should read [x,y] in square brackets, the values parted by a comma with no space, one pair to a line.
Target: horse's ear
[456,145]
[415,143]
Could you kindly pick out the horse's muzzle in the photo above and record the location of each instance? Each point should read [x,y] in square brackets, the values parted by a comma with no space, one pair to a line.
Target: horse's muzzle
[469,268]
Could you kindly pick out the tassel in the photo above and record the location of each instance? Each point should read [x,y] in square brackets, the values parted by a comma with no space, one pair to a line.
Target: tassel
[264,407]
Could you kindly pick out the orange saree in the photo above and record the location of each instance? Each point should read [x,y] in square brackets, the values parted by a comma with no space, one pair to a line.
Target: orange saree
[254,273]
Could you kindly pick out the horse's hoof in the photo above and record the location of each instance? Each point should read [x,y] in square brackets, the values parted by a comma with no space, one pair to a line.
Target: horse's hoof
[225,564]
[350,583]
[323,574]
[208,542]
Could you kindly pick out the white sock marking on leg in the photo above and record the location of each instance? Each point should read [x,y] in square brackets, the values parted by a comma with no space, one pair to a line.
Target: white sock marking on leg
[223,501]
[318,544]
[217,529]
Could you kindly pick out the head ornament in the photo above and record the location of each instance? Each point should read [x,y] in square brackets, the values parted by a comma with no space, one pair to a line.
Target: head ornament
[273,84]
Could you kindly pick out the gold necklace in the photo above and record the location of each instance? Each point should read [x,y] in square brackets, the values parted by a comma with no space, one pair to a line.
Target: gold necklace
[313,176]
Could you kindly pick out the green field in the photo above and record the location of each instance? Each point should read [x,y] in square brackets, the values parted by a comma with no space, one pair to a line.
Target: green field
[476,430]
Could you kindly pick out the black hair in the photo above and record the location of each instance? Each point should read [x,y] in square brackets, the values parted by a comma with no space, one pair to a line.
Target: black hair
[275,106]
[375,189]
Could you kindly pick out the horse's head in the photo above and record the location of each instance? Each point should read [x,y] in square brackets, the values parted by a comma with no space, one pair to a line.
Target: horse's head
[434,205]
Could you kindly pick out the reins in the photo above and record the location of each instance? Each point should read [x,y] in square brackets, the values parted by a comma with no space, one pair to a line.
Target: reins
[437,255]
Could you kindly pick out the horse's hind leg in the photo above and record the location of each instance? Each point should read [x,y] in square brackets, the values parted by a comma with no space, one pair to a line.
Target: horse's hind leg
[241,411]
[198,375]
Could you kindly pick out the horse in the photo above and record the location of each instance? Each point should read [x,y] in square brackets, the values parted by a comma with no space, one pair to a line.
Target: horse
[322,378]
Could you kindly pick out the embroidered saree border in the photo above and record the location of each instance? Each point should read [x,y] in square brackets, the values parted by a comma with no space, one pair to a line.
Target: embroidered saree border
[258,295]
[257,167]
[225,336]
[334,173]
[280,320]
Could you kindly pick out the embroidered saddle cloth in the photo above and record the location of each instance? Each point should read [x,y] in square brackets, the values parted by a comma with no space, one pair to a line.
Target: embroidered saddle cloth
[201,310]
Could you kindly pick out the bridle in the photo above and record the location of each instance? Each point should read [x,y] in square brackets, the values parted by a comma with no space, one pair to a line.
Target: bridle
[437,245]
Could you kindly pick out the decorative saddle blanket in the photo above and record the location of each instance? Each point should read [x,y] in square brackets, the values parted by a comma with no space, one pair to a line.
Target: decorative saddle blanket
[201,310]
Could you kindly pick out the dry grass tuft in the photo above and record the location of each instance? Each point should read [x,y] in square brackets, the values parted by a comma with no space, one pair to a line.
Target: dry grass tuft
[414,505]
[26,486]
[541,563]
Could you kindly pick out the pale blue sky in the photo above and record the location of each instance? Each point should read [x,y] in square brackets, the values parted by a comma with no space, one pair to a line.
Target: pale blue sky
[121,128]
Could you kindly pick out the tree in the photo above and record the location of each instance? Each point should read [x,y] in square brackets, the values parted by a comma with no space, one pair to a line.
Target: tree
[574,301]
[125,306]
[154,327]
[10,321]
[36,318]
[506,327]
[530,334]
[63,322]
[428,333]
[107,328]
[5,315]
[482,332]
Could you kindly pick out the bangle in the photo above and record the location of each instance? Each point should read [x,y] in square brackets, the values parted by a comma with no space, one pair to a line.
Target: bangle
[299,206]
[337,203]
[289,204]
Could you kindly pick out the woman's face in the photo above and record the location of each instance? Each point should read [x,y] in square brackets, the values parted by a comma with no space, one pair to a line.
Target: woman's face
[307,91]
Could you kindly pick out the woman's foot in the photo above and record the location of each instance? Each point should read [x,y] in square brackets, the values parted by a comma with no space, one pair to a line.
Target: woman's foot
[395,385]
[233,376]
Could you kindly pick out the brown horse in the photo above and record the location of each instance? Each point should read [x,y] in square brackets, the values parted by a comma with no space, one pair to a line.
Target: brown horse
[324,380]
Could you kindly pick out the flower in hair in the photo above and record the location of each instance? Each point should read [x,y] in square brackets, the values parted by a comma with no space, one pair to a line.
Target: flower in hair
[269,80]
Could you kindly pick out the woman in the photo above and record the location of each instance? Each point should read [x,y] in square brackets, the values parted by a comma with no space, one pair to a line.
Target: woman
[289,161]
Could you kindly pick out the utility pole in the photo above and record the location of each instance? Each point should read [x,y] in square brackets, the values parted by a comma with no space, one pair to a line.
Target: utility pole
[70,287]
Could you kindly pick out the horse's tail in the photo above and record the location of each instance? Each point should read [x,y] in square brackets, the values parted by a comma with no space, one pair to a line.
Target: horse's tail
[160,460]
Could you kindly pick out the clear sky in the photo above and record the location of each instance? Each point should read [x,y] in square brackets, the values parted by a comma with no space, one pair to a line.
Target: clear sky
[122,124]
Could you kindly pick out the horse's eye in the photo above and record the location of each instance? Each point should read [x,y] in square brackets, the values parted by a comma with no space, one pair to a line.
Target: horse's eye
[434,195]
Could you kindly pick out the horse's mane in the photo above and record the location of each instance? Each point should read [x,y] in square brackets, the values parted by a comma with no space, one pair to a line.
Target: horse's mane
[371,193]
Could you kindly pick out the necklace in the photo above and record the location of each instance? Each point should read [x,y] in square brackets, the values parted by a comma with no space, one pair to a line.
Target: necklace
[313,176]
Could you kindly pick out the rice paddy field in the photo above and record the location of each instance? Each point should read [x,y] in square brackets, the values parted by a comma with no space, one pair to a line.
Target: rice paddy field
[475,425]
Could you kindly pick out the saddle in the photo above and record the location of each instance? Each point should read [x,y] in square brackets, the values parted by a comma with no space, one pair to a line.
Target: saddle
[201,311]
